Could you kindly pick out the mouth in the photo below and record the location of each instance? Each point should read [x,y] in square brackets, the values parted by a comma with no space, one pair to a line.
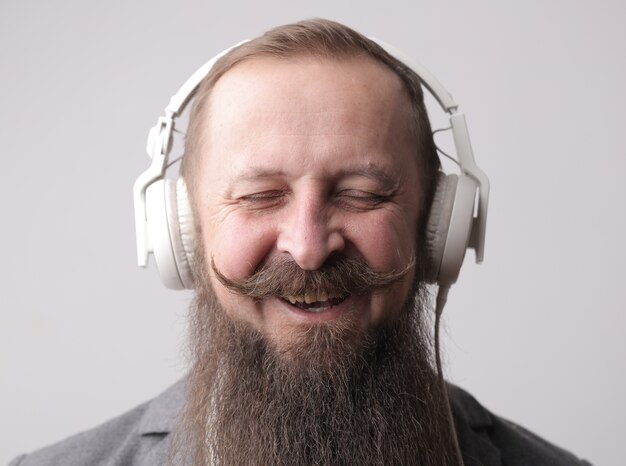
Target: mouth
[315,303]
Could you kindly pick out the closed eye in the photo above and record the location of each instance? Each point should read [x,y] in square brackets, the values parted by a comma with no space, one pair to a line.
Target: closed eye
[263,200]
[354,199]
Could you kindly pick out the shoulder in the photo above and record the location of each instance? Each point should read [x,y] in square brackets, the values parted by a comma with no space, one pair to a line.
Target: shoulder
[136,437]
[488,439]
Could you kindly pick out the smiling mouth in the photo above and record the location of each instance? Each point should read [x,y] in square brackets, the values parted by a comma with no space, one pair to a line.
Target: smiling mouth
[315,303]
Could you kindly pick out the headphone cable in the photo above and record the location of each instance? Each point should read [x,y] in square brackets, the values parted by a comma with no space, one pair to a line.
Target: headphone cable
[440,150]
[442,297]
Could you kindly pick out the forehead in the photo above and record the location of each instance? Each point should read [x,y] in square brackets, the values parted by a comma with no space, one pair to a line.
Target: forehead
[324,86]
[348,73]
[267,109]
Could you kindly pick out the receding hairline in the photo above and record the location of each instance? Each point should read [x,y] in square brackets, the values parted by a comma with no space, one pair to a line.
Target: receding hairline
[385,84]
[324,39]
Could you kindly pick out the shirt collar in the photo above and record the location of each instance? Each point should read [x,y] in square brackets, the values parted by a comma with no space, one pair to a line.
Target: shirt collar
[162,412]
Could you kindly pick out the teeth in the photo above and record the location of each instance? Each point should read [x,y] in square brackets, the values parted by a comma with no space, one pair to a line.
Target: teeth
[310,298]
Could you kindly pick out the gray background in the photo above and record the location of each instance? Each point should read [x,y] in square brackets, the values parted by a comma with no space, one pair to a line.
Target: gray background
[536,333]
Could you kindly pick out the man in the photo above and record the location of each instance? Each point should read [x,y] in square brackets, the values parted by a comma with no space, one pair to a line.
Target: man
[311,171]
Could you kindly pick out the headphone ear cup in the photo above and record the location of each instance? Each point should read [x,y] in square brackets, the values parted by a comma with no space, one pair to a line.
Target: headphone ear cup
[187,234]
[167,208]
[449,227]
[438,223]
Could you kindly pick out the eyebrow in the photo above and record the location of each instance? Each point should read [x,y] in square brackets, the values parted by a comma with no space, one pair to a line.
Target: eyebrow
[254,173]
[375,172]
[372,171]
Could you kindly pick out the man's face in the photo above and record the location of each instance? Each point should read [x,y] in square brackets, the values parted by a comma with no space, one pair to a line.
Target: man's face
[308,159]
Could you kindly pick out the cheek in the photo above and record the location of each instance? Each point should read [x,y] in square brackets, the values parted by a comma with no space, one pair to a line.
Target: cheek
[237,247]
[387,242]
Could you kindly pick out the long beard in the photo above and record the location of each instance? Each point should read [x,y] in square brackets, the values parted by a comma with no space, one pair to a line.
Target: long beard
[337,396]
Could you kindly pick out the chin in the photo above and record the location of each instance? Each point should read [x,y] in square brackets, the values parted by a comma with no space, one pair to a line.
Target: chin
[320,345]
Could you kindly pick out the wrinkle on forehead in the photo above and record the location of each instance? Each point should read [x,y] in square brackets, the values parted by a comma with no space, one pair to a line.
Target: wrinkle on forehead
[386,179]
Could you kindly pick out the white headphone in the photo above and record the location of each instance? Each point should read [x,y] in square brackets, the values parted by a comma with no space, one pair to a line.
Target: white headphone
[164,220]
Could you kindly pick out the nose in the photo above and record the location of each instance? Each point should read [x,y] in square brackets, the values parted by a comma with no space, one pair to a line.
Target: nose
[308,233]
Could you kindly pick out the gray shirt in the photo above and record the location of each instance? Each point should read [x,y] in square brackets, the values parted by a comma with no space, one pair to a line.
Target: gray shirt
[141,437]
